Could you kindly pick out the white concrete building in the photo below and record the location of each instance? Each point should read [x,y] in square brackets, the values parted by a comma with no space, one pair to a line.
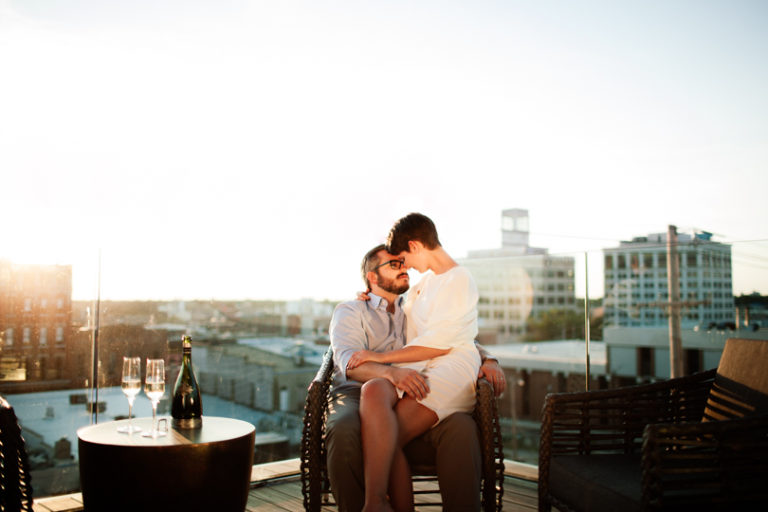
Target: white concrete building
[638,354]
[636,282]
[517,281]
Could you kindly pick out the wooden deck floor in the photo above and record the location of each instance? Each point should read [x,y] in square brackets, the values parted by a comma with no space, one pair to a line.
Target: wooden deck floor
[519,495]
[276,488]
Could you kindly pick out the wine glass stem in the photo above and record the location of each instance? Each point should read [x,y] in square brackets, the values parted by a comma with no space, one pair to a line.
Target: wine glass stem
[154,419]
[130,412]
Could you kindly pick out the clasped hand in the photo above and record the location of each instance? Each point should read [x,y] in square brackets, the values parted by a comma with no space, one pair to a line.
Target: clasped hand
[362,356]
[407,380]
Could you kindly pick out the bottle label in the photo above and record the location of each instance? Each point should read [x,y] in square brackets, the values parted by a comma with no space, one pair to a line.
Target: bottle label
[186,424]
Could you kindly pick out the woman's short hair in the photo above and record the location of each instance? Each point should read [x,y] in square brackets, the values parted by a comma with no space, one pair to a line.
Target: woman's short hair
[413,227]
[370,261]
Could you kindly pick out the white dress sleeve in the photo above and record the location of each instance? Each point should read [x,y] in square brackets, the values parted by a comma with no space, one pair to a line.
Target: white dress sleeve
[444,312]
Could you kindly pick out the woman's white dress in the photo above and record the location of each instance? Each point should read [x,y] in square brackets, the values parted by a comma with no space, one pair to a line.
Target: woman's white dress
[441,312]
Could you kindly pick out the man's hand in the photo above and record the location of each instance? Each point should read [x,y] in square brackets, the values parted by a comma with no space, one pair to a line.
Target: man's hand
[410,381]
[360,357]
[491,370]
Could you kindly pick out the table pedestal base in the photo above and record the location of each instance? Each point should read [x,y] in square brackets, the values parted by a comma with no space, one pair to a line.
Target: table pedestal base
[182,477]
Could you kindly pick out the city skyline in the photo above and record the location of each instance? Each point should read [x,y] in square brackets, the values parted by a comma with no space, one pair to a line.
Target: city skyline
[256,150]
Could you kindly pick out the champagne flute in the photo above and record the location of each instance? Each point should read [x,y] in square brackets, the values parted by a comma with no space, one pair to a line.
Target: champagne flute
[154,387]
[131,385]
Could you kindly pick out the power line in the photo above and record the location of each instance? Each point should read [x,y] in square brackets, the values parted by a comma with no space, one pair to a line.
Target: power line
[745,241]
[750,264]
[603,239]
[577,237]
[752,256]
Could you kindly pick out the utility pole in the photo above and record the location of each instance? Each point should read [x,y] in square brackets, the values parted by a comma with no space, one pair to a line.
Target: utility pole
[673,286]
[673,305]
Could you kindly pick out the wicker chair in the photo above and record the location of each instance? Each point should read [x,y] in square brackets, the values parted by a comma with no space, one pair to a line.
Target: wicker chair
[15,488]
[314,476]
[646,447]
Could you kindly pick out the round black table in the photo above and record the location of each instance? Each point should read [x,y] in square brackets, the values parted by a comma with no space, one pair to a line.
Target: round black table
[204,469]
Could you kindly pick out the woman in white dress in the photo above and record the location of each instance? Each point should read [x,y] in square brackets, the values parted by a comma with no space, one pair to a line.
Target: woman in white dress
[441,316]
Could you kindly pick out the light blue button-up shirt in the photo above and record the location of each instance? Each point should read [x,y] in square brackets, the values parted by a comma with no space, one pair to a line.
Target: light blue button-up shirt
[364,325]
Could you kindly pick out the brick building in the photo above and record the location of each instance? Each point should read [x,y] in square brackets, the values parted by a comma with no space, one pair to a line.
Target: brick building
[35,322]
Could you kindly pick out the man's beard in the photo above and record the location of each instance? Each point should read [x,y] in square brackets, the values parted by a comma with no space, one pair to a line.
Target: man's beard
[390,286]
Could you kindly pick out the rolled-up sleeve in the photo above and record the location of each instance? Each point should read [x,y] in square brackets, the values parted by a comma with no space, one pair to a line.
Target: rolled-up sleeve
[347,336]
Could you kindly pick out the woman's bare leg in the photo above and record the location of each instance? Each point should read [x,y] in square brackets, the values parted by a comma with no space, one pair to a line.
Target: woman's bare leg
[379,433]
[413,419]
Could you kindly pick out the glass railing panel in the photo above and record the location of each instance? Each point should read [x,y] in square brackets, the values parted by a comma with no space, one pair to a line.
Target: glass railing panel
[46,357]
[532,318]
[545,349]
[255,358]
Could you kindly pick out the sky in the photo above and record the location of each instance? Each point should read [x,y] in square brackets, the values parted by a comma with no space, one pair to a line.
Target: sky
[257,149]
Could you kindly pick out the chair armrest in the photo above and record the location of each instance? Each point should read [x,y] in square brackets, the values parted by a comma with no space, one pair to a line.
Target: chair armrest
[313,467]
[325,372]
[612,420]
[15,487]
[707,464]
[491,446]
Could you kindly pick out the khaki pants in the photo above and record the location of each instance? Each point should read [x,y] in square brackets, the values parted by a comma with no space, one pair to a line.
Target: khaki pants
[454,441]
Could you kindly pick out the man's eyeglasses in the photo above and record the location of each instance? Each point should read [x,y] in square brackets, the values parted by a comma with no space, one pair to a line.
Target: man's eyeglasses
[393,264]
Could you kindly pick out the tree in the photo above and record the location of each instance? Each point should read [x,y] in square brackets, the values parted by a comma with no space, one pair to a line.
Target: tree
[556,324]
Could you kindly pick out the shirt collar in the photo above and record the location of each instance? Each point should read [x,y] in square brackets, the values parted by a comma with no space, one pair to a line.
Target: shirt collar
[380,302]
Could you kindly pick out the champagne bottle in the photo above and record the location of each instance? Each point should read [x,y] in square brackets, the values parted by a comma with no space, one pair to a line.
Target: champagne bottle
[187,405]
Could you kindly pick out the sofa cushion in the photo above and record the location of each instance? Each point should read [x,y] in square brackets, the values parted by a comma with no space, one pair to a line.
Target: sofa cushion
[741,383]
[597,482]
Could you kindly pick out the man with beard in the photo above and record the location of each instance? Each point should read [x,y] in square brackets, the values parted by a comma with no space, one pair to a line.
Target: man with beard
[378,324]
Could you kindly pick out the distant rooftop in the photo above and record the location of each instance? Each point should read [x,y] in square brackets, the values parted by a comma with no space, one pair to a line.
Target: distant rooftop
[566,356]
[661,238]
[288,347]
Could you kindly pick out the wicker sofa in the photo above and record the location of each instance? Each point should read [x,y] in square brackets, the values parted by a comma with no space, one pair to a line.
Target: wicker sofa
[646,447]
[314,475]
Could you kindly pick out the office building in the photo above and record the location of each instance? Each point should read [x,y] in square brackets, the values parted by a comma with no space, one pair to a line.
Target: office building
[517,281]
[636,282]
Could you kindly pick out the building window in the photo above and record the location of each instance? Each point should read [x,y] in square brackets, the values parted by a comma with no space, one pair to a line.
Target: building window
[644,362]
[43,303]
[43,336]
[648,260]
[59,334]
[26,335]
[60,303]
[9,337]
[27,304]
[693,361]
[524,382]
